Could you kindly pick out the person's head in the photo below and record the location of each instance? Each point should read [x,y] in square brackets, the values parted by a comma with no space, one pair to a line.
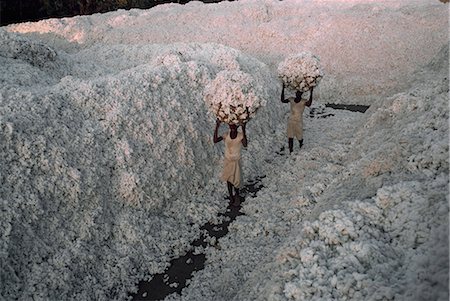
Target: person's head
[233,128]
[298,94]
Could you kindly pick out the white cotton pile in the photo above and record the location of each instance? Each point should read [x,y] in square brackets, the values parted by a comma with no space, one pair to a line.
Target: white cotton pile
[301,71]
[35,53]
[276,29]
[356,252]
[108,172]
[234,97]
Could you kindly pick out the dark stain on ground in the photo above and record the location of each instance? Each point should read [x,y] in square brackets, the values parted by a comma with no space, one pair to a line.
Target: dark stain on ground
[321,111]
[353,108]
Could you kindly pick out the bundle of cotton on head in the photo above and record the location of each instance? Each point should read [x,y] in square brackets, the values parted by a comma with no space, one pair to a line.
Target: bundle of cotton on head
[234,96]
[301,71]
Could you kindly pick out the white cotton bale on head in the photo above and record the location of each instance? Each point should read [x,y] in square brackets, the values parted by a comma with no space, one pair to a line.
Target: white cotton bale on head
[301,71]
[234,96]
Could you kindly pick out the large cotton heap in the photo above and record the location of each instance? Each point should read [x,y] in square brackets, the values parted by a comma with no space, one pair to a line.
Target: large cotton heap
[301,71]
[234,96]
[95,158]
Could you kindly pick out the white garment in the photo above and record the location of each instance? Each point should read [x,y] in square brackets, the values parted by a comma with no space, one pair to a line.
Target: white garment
[232,162]
[295,122]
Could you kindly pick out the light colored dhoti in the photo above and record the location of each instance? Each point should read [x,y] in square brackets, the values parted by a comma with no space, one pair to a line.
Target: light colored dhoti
[232,172]
[232,160]
[295,122]
[295,129]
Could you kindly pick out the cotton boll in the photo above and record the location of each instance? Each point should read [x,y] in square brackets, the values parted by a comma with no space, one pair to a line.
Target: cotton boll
[307,255]
[239,110]
[7,128]
[317,189]
[227,60]
[292,291]
[169,60]
[382,199]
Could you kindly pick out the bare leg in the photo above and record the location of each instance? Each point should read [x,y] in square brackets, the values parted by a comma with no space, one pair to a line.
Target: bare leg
[301,142]
[291,144]
[230,190]
[237,197]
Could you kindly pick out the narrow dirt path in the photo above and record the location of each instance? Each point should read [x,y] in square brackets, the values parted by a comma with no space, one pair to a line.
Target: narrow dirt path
[180,270]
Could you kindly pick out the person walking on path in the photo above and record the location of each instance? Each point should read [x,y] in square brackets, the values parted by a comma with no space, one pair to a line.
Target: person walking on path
[232,173]
[295,122]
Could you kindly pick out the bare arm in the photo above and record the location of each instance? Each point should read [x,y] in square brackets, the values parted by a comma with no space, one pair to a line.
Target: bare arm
[283,100]
[216,137]
[244,140]
[309,102]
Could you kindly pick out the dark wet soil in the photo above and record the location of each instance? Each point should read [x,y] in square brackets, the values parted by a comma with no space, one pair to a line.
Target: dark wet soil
[173,280]
[353,108]
[322,112]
